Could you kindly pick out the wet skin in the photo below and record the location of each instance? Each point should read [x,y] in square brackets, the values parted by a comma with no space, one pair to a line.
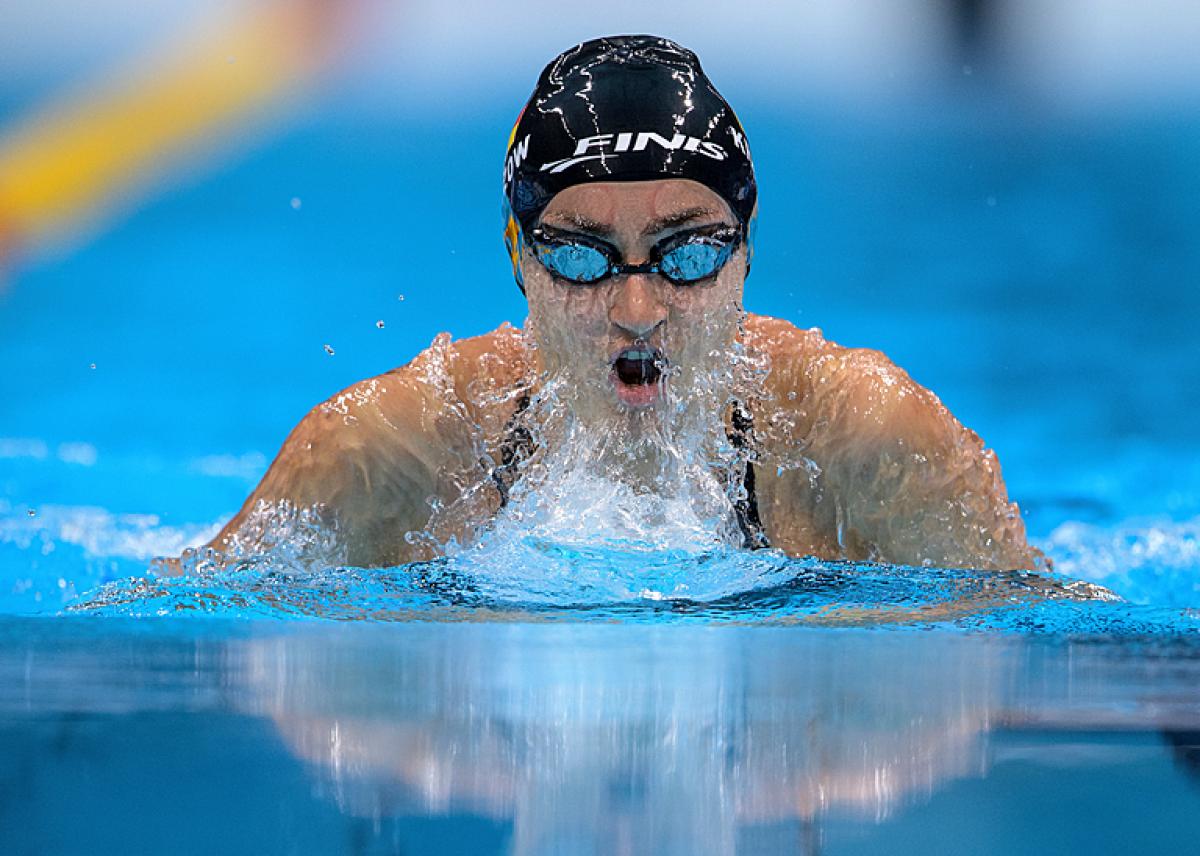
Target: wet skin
[855,460]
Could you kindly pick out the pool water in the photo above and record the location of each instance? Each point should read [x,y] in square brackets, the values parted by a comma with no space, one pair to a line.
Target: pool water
[258,737]
[589,697]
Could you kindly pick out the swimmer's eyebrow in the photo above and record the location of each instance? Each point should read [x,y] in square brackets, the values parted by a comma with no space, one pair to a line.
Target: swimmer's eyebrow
[571,219]
[578,221]
[687,215]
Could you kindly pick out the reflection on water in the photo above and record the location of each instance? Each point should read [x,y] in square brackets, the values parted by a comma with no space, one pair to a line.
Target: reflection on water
[577,738]
[679,741]
[606,741]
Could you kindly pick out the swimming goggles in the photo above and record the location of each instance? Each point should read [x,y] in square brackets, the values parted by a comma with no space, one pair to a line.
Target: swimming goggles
[684,258]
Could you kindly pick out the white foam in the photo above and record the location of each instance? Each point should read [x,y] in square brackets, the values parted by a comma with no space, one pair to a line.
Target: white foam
[84,454]
[1146,561]
[101,533]
[577,528]
[249,466]
[22,447]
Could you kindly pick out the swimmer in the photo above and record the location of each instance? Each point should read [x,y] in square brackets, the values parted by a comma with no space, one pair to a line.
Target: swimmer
[629,222]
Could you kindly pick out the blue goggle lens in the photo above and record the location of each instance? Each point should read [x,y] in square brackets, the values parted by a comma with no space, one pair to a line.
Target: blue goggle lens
[694,260]
[576,262]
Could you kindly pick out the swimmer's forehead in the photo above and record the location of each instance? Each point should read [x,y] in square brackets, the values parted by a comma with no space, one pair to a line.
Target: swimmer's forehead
[643,207]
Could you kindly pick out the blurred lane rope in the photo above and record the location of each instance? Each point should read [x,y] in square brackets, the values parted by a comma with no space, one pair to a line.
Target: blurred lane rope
[115,138]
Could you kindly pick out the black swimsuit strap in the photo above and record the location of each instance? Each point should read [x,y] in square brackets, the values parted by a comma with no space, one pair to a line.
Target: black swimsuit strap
[754,535]
[517,445]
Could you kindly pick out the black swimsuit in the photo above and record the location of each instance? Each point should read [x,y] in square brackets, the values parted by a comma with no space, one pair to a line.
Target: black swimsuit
[518,445]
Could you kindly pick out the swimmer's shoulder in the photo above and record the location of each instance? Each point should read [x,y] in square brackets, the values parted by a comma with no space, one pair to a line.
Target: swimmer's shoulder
[375,451]
[783,340]
[448,372]
[797,359]
[833,385]
[482,373]
[806,361]
[500,358]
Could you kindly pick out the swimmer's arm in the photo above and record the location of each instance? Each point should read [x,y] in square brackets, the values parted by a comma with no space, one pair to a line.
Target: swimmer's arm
[370,458]
[365,462]
[912,485]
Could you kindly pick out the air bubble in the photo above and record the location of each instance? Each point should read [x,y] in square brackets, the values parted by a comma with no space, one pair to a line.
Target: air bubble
[329,350]
[792,395]
[296,203]
[32,512]
[379,324]
[400,297]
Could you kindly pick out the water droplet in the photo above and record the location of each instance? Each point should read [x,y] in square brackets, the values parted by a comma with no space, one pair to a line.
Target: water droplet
[379,324]
[296,203]
[792,395]
[91,365]
[329,350]
[32,512]
[400,297]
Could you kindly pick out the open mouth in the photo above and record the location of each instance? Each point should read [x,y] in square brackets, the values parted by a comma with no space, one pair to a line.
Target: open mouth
[638,365]
[636,371]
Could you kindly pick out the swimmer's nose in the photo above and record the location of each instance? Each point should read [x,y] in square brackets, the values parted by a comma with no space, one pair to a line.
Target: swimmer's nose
[635,308]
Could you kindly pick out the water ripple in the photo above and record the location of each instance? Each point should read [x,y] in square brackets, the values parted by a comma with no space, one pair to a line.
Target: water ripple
[609,584]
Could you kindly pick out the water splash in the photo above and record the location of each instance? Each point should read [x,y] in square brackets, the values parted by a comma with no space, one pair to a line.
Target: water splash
[53,553]
[559,461]
[540,579]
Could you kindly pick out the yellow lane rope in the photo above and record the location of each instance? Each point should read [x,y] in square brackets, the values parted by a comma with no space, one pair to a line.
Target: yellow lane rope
[65,162]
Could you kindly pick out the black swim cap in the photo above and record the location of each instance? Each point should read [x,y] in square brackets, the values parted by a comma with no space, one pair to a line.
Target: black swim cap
[622,108]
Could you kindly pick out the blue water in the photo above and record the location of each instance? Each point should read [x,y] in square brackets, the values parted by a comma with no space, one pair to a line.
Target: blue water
[1038,275]
[260,737]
